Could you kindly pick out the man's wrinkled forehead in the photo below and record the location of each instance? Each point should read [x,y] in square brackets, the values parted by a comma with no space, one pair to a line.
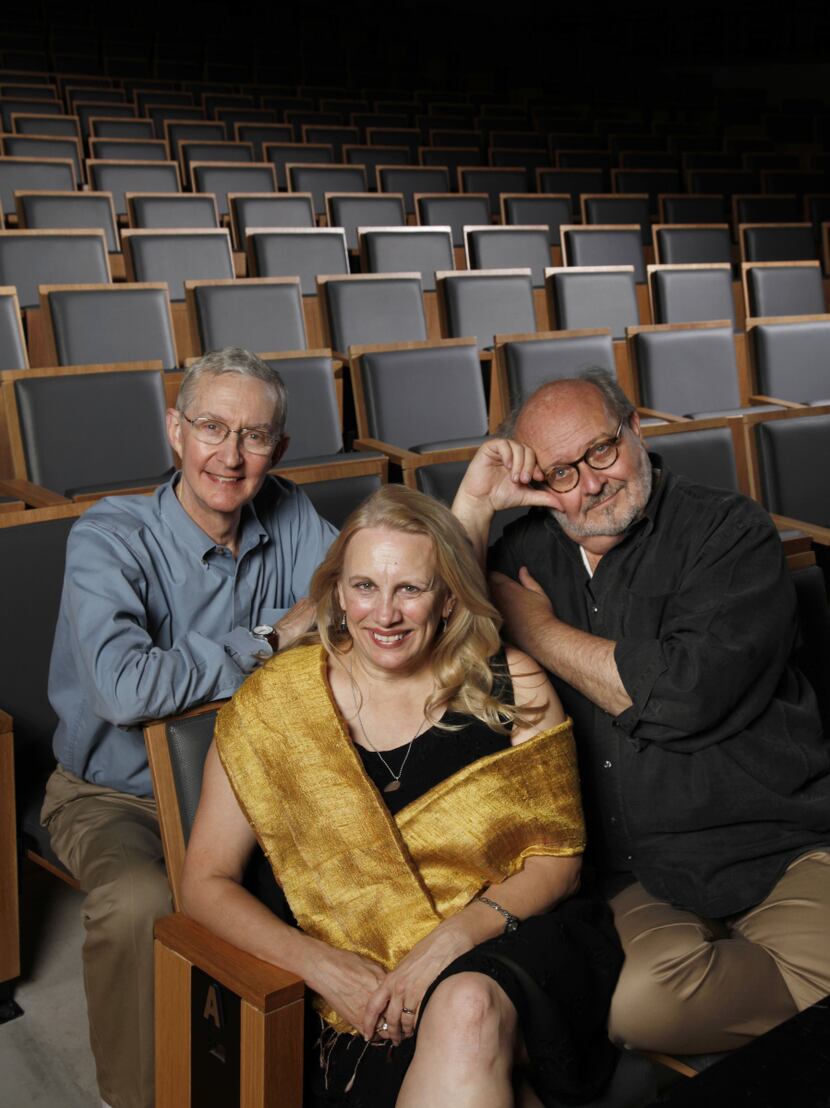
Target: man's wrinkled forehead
[562,417]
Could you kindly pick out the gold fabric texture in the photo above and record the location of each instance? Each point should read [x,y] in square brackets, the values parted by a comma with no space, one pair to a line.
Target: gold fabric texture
[355,876]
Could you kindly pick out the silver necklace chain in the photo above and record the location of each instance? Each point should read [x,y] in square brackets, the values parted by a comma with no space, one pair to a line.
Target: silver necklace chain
[395,783]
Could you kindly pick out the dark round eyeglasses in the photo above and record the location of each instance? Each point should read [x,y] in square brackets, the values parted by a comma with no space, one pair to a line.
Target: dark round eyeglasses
[213,433]
[565,476]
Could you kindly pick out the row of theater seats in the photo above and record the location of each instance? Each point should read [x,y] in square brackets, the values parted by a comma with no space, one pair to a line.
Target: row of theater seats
[759,236]
[509,275]
[419,406]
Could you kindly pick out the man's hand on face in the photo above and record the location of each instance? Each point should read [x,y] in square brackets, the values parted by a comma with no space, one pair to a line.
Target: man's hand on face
[500,475]
[524,606]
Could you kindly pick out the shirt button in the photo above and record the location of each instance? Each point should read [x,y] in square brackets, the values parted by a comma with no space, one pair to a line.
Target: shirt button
[613,819]
[606,764]
[628,857]
[595,608]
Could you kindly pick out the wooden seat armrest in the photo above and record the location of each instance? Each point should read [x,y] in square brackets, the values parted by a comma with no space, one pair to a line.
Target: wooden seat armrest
[261,984]
[34,495]
[669,417]
[342,465]
[817,533]
[6,722]
[450,454]
[395,453]
[759,398]
[138,490]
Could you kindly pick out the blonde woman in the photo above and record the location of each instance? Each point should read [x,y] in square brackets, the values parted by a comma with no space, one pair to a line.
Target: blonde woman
[414,788]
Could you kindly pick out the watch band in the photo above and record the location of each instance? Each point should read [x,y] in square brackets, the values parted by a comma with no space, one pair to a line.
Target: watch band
[511,922]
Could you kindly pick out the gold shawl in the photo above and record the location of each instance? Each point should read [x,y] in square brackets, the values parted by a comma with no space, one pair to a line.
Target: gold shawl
[355,876]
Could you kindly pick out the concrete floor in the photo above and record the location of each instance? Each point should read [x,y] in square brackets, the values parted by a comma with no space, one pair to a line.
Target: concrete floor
[45,1060]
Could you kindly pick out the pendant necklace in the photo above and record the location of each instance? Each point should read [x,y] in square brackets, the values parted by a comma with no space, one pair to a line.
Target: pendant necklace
[395,783]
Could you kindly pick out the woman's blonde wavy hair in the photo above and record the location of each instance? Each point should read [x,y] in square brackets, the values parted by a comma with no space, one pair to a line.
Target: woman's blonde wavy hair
[461,655]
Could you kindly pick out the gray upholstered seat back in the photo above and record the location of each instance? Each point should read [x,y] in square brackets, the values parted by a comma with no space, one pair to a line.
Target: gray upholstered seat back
[455,212]
[260,133]
[595,300]
[574,181]
[175,258]
[794,458]
[376,310]
[424,395]
[483,305]
[270,211]
[222,179]
[138,150]
[408,180]
[767,209]
[693,209]
[607,247]
[785,290]
[188,741]
[529,364]
[335,499]
[10,105]
[192,150]
[792,360]
[29,259]
[71,209]
[281,154]
[421,250]
[694,245]
[688,370]
[174,210]
[300,253]
[320,179]
[552,211]
[371,210]
[510,248]
[112,324]
[313,415]
[620,209]
[494,182]
[36,146]
[706,456]
[260,317]
[792,242]
[121,177]
[193,131]
[94,430]
[692,295]
[32,555]
[12,351]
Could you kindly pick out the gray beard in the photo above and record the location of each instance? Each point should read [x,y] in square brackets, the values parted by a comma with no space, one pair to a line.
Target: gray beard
[605,523]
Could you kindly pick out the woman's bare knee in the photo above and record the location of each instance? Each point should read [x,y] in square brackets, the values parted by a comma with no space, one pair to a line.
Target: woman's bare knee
[470,1014]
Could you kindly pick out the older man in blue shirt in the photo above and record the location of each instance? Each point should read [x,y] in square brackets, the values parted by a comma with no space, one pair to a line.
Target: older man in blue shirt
[161,598]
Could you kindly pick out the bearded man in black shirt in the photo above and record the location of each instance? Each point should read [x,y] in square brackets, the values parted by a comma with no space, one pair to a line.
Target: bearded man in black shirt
[664,613]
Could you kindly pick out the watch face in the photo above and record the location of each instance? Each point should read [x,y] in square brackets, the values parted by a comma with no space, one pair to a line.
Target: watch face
[263,630]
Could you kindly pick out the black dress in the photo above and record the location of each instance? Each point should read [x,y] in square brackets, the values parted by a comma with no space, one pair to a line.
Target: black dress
[559,969]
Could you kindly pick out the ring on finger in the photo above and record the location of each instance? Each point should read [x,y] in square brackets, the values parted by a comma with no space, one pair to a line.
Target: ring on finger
[409,1011]
[382,1026]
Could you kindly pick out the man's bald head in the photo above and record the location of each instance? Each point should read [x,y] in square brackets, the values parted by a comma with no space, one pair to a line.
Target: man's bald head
[553,398]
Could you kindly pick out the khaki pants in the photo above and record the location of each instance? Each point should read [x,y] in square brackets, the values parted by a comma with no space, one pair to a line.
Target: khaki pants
[693,986]
[110,841]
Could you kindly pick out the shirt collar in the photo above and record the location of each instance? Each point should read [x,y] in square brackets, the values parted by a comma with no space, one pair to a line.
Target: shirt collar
[191,535]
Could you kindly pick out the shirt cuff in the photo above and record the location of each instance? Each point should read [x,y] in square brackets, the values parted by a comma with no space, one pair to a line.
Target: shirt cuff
[640,663]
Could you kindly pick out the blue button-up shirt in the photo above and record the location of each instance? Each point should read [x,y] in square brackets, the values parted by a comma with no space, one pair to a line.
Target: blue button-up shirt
[148,601]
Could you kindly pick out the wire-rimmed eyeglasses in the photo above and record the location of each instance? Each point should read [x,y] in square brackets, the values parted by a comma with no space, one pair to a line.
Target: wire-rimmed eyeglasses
[212,432]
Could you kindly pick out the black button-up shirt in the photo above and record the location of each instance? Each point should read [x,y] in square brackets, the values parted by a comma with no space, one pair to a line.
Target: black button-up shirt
[718,775]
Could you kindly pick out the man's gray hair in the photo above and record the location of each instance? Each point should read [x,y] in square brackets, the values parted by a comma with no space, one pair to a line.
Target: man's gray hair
[618,405]
[233,359]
